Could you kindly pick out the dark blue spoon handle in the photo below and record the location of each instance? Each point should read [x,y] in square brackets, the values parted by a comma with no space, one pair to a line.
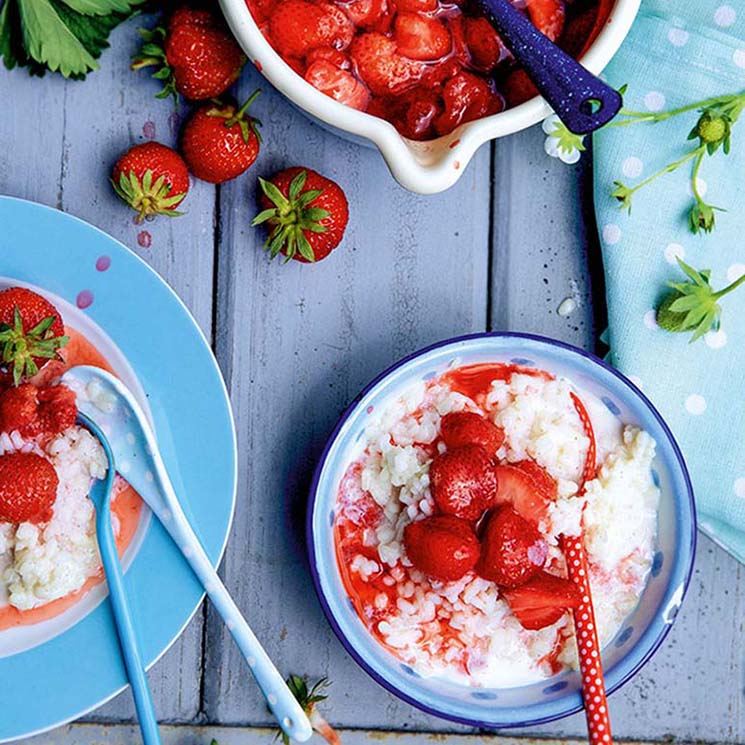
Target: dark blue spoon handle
[582,101]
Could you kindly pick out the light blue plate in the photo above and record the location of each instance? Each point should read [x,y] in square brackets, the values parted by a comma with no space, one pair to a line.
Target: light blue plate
[57,671]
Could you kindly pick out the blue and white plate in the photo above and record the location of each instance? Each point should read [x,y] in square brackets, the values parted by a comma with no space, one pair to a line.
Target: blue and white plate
[60,669]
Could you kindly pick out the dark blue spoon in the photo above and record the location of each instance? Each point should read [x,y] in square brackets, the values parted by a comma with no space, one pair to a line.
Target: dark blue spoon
[581,100]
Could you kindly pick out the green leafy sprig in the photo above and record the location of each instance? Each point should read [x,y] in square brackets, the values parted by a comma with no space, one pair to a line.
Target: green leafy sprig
[309,697]
[711,133]
[693,305]
[65,36]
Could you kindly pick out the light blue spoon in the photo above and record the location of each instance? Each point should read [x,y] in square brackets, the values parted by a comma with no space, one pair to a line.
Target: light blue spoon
[108,402]
[100,495]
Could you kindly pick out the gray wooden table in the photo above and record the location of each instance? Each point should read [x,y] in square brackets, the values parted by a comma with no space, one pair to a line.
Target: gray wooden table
[500,250]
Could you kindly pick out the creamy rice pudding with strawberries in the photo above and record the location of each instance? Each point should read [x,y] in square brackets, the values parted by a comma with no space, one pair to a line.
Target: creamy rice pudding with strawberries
[48,552]
[449,525]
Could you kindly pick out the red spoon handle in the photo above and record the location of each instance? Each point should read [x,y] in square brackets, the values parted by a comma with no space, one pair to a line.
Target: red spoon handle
[588,646]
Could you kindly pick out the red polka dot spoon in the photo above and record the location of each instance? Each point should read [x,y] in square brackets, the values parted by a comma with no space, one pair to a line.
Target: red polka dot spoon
[585,628]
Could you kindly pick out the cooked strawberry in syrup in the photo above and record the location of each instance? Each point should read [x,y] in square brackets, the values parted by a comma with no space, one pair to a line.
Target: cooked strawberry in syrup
[427,66]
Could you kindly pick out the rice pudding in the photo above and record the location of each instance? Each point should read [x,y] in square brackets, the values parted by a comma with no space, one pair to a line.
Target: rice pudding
[449,523]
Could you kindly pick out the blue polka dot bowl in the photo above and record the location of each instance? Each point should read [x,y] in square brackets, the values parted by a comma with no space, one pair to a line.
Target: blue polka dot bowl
[640,635]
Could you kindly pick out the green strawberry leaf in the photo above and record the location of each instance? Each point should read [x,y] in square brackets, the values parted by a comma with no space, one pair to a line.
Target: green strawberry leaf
[101,7]
[49,41]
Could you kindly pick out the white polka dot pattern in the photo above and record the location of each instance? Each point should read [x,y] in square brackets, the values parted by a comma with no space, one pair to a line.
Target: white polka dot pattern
[588,646]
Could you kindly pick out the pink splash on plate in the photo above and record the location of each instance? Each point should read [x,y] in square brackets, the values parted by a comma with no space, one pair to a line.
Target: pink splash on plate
[103,263]
[84,299]
[144,239]
[148,129]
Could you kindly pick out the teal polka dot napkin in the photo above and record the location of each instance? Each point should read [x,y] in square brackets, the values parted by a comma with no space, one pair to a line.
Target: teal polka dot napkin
[678,52]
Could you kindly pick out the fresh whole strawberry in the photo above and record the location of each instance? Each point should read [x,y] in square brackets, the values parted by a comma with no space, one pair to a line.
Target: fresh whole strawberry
[338,84]
[220,141]
[381,67]
[28,488]
[527,487]
[31,333]
[421,37]
[196,54]
[297,26]
[443,547]
[462,482]
[512,549]
[152,179]
[468,428]
[542,600]
[306,214]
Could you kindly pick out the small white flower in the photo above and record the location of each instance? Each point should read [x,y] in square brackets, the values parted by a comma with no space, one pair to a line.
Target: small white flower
[561,143]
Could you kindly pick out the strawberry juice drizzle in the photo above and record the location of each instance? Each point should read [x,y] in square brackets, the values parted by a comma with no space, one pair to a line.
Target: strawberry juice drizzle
[126,505]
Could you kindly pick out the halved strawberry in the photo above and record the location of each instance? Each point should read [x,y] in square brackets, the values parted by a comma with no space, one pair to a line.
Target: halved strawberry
[328,54]
[469,428]
[512,548]
[421,37]
[381,67]
[418,109]
[527,487]
[297,26]
[416,6]
[547,16]
[33,411]
[541,600]
[442,547]
[338,84]
[462,482]
[484,45]
[467,97]
[365,13]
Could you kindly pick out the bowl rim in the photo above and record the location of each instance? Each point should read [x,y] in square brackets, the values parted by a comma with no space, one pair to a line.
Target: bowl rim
[313,501]
[453,151]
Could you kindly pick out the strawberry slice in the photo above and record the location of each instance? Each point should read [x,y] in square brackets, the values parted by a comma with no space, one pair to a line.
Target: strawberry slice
[527,487]
[547,16]
[443,547]
[338,84]
[421,37]
[462,482]
[366,13]
[542,599]
[512,549]
[484,45]
[297,26]
[533,619]
[468,428]
[381,67]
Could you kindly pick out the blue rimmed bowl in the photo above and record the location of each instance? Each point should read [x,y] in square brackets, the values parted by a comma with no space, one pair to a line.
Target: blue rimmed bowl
[642,632]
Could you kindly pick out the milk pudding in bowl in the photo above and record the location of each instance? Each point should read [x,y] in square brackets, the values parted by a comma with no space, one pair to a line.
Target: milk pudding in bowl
[448,513]
[49,561]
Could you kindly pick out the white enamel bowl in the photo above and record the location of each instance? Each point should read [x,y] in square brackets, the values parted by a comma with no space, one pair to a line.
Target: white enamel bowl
[423,167]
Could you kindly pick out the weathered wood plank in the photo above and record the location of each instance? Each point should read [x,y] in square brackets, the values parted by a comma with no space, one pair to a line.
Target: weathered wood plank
[92,734]
[60,140]
[543,235]
[297,343]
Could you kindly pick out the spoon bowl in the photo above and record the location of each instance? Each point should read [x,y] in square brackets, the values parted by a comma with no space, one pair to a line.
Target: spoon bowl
[110,404]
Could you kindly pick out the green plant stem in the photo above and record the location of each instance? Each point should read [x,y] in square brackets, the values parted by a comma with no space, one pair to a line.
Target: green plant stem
[669,168]
[694,175]
[660,116]
[733,286]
